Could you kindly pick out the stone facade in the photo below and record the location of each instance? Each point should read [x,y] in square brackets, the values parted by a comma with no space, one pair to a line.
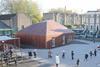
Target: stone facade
[63,18]
[93,20]
[16,21]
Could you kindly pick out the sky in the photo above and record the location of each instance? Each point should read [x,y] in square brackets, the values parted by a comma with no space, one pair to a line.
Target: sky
[80,6]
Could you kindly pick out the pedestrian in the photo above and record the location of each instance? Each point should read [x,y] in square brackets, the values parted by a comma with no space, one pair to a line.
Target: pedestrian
[30,54]
[5,58]
[91,54]
[77,62]
[86,56]
[15,60]
[10,52]
[95,52]
[72,54]
[49,54]
[34,53]
[63,54]
[57,60]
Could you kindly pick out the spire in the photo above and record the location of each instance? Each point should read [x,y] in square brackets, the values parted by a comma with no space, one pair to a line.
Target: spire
[65,15]
[65,9]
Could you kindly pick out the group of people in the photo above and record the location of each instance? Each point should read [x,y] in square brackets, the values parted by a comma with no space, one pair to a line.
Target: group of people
[91,53]
[34,53]
[57,58]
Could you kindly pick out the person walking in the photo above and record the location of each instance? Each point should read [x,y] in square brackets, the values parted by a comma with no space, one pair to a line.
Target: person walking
[77,62]
[63,54]
[49,54]
[86,56]
[11,52]
[72,54]
[95,52]
[30,54]
[57,60]
[34,53]
[91,54]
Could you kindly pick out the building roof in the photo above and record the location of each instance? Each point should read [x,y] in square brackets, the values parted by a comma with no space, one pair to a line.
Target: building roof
[49,27]
[4,38]
[7,16]
[3,26]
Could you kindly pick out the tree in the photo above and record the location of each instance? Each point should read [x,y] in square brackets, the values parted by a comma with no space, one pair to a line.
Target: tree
[60,10]
[23,6]
[68,26]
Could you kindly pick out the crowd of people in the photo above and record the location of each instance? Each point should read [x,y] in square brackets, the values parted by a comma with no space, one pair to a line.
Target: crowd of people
[63,54]
[9,54]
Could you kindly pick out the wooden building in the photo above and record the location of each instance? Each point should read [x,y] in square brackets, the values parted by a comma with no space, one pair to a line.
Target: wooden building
[46,34]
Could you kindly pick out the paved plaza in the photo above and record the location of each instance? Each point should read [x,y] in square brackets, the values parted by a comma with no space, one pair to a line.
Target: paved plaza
[80,48]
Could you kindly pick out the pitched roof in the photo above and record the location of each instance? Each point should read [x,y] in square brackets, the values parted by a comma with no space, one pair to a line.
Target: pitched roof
[49,27]
[56,29]
[4,38]
[4,26]
[7,16]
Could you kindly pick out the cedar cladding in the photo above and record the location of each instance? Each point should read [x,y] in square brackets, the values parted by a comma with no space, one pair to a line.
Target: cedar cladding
[40,35]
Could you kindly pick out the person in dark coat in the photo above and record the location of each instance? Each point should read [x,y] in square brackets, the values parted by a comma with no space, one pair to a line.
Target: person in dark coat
[30,54]
[11,52]
[86,56]
[63,54]
[95,52]
[34,53]
[91,54]
[77,62]
[72,54]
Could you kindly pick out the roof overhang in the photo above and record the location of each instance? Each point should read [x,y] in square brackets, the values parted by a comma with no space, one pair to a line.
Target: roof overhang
[5,38]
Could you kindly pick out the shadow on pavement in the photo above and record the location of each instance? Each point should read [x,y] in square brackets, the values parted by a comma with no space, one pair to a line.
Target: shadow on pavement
[45,65]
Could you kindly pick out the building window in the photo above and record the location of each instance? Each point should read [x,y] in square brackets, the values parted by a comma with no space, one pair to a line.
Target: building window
[91,27]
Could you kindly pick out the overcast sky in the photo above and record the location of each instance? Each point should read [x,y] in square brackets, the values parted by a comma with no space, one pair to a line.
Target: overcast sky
[75,5]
